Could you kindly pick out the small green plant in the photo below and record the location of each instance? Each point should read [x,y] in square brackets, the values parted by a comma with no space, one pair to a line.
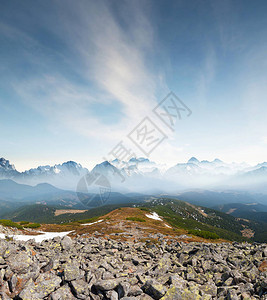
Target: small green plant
[32,225]
[204,234]
[135,219]
[91,220]
[24,222]
[145,209]
[10,223]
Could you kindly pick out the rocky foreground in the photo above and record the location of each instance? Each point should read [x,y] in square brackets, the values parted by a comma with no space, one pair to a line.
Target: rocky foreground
[97,268]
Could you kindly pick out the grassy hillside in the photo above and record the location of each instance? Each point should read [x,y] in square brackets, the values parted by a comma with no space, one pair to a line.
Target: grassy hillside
[46,214]
[184,215]
[177,213]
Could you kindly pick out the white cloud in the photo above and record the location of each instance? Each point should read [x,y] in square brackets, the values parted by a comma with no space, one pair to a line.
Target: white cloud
[110,57]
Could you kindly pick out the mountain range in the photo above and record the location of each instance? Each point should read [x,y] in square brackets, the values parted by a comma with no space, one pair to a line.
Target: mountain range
[144,176]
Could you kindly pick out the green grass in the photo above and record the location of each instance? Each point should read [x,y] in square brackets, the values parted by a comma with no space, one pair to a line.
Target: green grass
[40,213]
[144,209]
[90,220]
[204,234]
[10,223]
[24,222]
[135,219]
[32,225]
[181,215]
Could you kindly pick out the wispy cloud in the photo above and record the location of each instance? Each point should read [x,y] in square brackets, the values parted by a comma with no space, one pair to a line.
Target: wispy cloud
[112,58]
[206,74]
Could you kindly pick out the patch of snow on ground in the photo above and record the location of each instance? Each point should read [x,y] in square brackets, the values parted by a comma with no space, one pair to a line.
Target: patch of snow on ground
[38,238]
[167,226]
[154,216]
[88,224]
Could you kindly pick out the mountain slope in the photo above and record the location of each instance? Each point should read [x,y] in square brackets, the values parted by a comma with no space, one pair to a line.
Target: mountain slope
[188,216]
[251,211]
[215,198]
[178,214]
[11,189]
[236,208]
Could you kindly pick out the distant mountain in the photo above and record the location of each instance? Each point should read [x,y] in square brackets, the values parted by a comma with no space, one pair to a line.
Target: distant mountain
[236,208]
[106,169]
[66,168]
[251,211]
[7,170]
[13,195]
[12,190]
[64,175]
[221,198]
[193,160]
[145,176]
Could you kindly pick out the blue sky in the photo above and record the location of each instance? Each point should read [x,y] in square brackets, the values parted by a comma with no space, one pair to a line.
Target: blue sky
[78,76]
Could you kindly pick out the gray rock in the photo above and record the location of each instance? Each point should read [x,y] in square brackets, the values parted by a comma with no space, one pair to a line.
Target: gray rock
[154,289]
[63,292]
[112,295]
[106,285]
[4,296]
[134,291]
[19,263]
[99,269]
[12,283]
[72,271]
[66,243]
[28,293]
[46,284]
[79,288]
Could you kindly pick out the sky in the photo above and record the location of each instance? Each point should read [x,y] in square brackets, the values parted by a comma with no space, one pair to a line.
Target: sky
[77,77]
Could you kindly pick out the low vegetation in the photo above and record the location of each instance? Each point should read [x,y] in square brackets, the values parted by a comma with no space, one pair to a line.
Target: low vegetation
[32,225]
[135,219]
[178,214]
[24,222]
[204,234]
[10,223]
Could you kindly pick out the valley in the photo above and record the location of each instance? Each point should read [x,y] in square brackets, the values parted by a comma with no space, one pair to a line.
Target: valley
[176,215]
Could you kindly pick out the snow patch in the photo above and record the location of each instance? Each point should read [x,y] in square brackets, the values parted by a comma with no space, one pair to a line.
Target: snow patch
[154,216]
[167,226]
[38,238]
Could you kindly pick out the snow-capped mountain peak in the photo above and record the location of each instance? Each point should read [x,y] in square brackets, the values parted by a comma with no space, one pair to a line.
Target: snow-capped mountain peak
[5,164]
[143,172]
[193,160]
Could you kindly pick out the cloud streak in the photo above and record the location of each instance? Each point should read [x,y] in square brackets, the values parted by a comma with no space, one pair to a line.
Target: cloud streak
[112,63]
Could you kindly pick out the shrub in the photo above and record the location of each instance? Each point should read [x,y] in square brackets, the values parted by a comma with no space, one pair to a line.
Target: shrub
[24,222]
[145,209]
[32,225]
[204,234]
[135,219]
[90,220]
[10,223]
